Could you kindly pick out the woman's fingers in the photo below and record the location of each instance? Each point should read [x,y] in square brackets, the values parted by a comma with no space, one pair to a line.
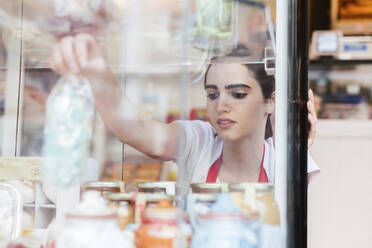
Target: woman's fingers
[81,44]
[88,53]
[76,55]
[56,60]
[68,55]
[311,118]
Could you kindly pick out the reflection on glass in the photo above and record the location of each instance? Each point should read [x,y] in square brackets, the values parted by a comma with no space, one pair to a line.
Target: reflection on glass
[160,60]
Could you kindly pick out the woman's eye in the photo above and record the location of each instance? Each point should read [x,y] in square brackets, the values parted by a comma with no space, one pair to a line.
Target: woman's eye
[239,95]
[213,96]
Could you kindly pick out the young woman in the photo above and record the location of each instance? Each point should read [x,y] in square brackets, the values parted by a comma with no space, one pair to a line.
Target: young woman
[231,148]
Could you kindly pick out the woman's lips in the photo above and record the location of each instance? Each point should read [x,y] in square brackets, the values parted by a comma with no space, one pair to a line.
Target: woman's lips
[224,123]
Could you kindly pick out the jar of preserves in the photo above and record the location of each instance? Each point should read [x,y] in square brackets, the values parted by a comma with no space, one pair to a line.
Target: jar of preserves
[161,227]
[257,197]
[260,197]
[102,187]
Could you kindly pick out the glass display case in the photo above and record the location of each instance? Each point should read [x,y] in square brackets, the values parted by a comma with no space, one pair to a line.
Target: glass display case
[159,53]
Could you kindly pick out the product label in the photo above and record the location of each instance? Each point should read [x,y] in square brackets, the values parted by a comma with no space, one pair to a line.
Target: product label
[20,168]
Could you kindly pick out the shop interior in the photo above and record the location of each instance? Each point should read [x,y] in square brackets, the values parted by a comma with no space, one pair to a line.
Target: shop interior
[153,63]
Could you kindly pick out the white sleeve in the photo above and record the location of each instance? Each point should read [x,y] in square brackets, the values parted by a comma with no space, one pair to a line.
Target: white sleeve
[312,168]
[194,137]
[269,163]
[311,164]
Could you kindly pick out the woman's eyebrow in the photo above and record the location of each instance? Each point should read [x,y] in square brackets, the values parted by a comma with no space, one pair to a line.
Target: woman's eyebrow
[210,86]
[233,86]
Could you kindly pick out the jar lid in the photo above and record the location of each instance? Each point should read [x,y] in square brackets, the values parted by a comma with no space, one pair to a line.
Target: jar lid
[119,196]
[257,186]
[104,184]
[206,186]
[162,186]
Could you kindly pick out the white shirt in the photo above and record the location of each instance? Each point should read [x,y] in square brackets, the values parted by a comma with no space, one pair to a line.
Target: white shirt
[202,148]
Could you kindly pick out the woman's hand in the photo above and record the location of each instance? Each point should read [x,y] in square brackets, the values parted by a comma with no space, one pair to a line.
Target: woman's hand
[78,55]
[312,118]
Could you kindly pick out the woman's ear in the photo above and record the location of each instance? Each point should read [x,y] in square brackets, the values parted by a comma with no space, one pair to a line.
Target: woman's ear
[271,104]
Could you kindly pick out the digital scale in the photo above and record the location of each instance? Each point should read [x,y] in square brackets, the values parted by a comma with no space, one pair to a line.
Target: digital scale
[333,44]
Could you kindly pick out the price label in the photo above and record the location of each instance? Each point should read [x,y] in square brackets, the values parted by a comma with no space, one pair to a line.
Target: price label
[20,168]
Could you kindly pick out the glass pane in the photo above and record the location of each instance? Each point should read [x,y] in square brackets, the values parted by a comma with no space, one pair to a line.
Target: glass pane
[191,88]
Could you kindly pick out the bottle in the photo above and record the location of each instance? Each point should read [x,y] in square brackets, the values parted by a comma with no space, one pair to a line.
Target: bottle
[67,131]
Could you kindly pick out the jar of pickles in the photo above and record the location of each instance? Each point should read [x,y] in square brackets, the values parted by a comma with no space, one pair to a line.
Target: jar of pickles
[260,197]
[102,187]
[163,226]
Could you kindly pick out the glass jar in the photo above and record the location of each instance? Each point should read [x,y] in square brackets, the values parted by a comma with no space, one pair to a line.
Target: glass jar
[220,230]
[161,227]
[93,224]
[123,203]
[10,211]
[260,197]
[102,187]
[257,197]
[197,204]
[148,200]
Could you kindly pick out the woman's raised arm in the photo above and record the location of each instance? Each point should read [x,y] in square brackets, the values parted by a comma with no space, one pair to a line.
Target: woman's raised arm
[80,55]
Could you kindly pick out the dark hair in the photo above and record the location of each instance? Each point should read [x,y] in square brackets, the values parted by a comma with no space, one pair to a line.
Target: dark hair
[267,83]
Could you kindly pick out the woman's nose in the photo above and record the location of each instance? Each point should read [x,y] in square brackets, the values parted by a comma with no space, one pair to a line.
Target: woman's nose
[223,105]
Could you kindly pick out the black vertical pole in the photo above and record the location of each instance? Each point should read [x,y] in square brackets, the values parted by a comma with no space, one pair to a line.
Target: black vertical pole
[298,124]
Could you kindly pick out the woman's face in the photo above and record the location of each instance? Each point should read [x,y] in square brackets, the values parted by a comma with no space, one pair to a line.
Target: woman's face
[235,103]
